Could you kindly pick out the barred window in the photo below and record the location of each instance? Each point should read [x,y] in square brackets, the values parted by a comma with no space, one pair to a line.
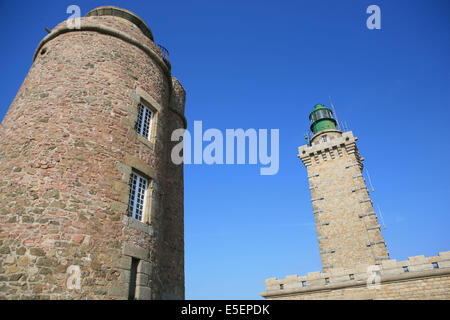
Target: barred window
[138,189]
[144,121]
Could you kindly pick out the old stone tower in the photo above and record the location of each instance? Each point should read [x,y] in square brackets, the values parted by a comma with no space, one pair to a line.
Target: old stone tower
[91,206]
[346,223]
[355,261]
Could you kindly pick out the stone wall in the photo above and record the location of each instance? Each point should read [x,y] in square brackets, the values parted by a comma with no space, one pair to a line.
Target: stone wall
[68,148]
[416,278]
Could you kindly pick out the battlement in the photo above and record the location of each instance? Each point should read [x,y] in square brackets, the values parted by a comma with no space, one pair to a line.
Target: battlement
[389,270]
[333,144]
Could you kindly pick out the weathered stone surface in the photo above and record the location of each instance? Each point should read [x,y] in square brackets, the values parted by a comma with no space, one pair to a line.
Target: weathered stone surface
[10,270]
[37,252]
[135,251]
[124,262]
[10,260]
[23,262]
[145,267]
[143,293]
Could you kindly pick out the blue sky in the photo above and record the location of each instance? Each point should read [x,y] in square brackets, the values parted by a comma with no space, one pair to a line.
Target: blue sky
[261,64]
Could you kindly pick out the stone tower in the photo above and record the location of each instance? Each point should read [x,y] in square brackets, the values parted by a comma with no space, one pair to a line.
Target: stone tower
[347,227]
[91,206]
[355,261]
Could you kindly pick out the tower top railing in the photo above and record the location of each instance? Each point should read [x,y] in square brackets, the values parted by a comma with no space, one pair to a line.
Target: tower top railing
[165,52]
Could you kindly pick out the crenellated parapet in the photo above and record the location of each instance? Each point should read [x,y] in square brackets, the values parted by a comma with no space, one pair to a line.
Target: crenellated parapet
[388,271]
[330,144]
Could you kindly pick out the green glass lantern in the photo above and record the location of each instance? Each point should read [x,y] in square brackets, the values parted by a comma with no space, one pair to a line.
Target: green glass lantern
[321,119]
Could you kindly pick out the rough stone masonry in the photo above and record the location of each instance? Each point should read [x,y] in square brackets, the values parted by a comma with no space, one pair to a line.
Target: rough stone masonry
[68,146]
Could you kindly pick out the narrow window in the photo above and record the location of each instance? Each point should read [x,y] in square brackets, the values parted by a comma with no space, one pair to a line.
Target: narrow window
[281,286]
[327,280]
[133,276]
[435,265]
[325,138]
[351,276]
[303,283]
[144,121]
[138,189]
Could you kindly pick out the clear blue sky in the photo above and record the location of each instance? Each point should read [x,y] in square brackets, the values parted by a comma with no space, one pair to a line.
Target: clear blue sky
[261,64]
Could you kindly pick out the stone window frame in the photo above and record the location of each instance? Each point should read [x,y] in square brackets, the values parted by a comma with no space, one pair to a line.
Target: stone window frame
[147,197]
[142,97]
[150,114]
[132,164]
[148,203]
[132,284]
[142,288]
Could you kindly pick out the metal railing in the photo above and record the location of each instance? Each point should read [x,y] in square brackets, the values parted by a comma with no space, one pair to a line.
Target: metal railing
[165,52]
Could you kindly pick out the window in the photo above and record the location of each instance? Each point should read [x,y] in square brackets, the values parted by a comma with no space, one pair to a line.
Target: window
[144,121]
[303,283]
[133,276]
[138,189]
[405,269]
[324,138]
[435,265]
[321,114]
